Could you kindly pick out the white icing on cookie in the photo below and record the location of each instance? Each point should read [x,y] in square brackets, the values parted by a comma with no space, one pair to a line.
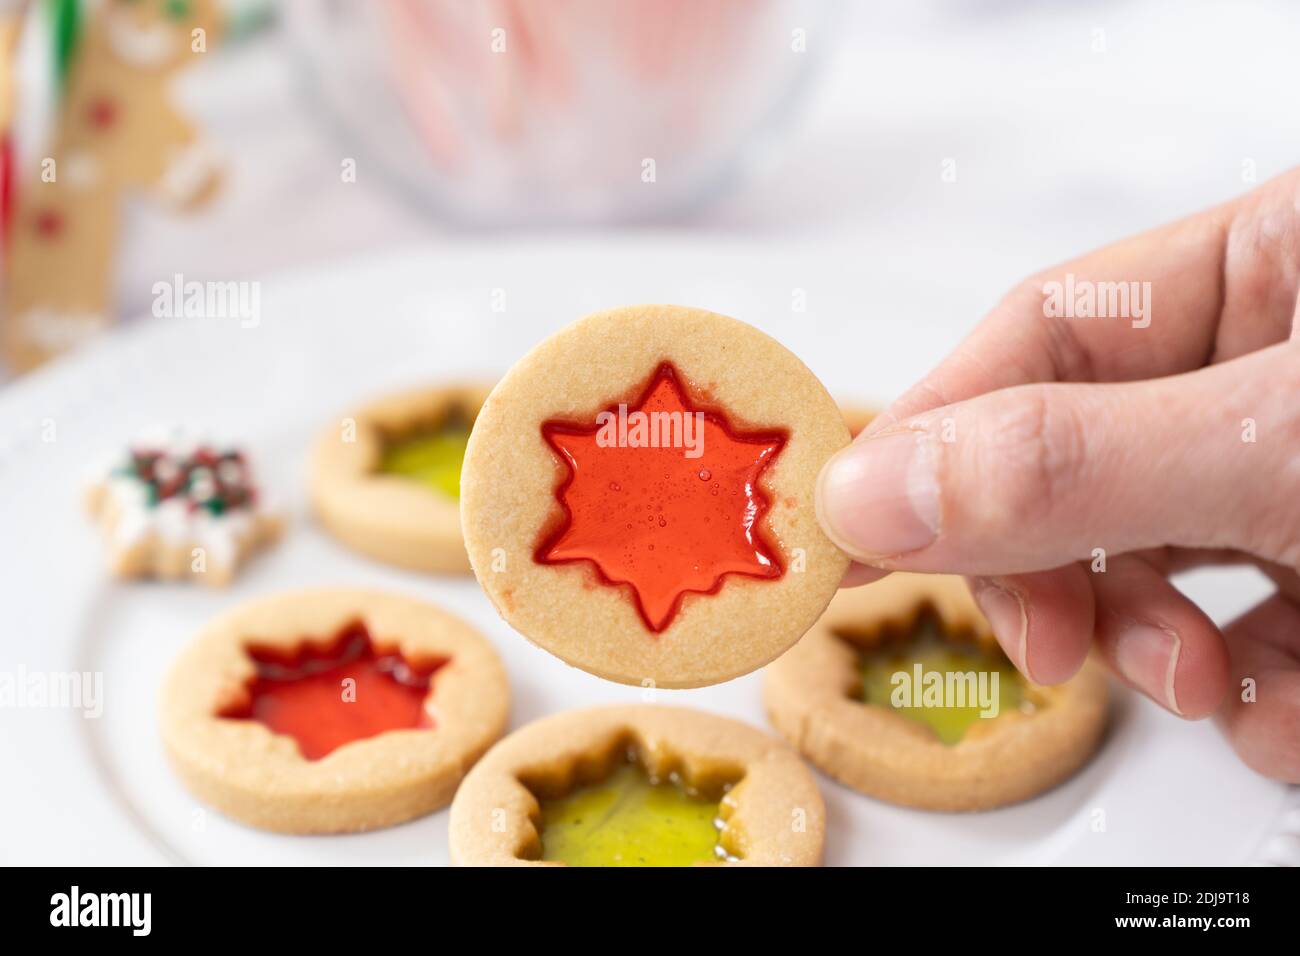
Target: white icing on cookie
[81,169]
[190,169]
[180,520]
[151,46]
[54,330]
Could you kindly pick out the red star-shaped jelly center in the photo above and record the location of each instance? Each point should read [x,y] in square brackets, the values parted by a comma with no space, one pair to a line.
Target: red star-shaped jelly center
[301,692]
[663,497]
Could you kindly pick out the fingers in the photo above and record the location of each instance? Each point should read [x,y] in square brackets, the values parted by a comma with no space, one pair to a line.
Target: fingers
[1157,641]
[1032,478]
[860,574]
[1043,621]
[1210,287]
[1261,714]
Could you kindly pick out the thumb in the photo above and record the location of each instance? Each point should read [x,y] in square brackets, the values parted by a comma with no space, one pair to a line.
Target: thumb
[1032,477]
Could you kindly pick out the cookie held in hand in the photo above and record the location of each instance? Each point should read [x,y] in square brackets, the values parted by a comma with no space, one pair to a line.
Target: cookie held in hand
[637,496]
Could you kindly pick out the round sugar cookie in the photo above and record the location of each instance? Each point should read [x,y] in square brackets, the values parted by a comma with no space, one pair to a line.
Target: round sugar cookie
[637,496]
[857,416]
[964,748]
[638,786]
[385,478]
[331,710]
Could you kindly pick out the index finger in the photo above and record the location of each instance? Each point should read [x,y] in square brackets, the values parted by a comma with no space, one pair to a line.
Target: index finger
[1170,281]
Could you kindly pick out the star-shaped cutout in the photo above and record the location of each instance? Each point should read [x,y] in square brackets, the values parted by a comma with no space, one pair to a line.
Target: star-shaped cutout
[663,497]
[327,696]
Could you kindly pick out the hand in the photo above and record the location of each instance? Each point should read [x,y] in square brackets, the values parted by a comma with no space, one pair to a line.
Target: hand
[1157,440]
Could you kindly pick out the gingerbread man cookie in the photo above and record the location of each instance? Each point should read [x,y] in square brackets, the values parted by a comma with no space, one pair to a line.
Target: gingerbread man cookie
[901,692]
[637,496]
[176,506]
[638,786]
[116,132]
[331,711]
[11,22]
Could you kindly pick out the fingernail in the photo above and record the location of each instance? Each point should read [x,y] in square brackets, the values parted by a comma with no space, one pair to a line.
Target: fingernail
[1007,615]
[879,497]
[1147,657]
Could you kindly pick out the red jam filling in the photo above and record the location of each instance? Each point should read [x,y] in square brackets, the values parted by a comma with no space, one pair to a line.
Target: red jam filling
[662,496]
[326,696]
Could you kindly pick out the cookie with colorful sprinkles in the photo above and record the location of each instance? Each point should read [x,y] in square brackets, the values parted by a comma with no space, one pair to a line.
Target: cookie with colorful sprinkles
[174,505]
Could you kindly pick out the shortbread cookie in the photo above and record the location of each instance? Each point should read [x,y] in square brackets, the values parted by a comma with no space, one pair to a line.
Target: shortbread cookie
[637,496]
[385,480]
[333,710]
[176,506]
[877,695]
[638,786]
[857,417]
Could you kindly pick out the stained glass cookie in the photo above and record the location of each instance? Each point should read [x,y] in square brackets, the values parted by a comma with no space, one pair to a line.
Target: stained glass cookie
[385,479]
[638,786]
[174,505]
[330,711]
[857,416]
[902,692]
[637,496]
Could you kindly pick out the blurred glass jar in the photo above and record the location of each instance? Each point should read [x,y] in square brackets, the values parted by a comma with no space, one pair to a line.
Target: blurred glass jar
[561,111]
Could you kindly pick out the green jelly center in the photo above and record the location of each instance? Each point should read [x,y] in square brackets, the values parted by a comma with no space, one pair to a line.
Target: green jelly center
[935,655]
[630,820]
[433,459]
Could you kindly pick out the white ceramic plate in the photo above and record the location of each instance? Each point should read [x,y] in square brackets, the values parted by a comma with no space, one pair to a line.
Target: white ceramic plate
[81,790]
